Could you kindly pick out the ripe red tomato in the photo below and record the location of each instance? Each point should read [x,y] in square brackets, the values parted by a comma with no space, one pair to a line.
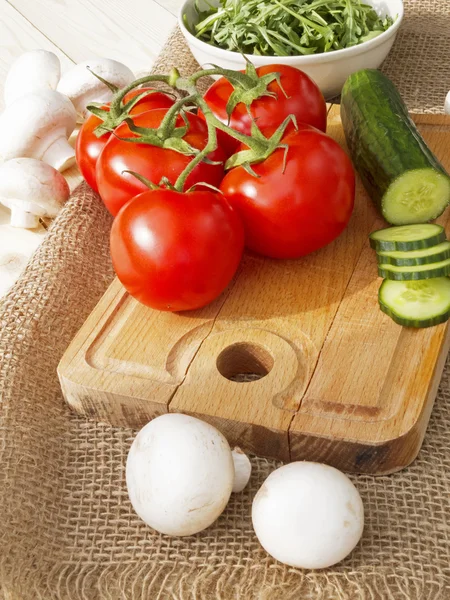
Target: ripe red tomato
[175,251]
[154,163]
[88,146]
[292,213]
[303,99]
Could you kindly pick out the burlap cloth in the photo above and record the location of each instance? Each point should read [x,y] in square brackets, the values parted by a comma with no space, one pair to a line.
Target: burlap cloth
[67,528]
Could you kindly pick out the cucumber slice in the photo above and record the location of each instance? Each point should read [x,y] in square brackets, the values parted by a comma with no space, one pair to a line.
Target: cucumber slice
[415,257]
[416,303]
[439,269]
[415,197]
[407,237]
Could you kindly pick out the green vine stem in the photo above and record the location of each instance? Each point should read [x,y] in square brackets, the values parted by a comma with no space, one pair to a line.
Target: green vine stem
[168,123]
[119,112]
[117,101]
[247,87]
[210,146]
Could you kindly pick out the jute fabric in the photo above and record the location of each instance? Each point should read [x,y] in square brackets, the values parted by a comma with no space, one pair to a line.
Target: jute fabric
[67,529]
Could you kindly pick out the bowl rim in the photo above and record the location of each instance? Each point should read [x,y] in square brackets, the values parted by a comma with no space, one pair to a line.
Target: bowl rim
[297,59]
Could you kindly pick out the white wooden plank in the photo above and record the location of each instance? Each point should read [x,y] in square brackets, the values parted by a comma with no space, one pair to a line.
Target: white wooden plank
[17,35]
[132,31]
[172,6]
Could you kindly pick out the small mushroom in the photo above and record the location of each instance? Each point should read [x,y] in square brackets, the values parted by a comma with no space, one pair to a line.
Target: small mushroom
[308,515]
[242,470]
[447,104]
[32,71]
[83,88]
[179,474]
[38,125]
[31,189]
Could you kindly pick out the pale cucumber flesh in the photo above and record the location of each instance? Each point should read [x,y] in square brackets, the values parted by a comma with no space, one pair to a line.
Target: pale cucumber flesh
[415,197]
[415,257]
[407,237]
[438,269]
[416,303]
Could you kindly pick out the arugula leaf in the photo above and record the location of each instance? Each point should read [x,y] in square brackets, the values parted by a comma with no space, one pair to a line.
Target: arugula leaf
[288,27]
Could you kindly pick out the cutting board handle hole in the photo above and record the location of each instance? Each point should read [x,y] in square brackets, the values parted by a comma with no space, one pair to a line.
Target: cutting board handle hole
[244,362]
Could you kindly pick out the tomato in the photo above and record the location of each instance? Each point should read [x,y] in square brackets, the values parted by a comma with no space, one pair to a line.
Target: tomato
[292,213]
[88,146]
[154,163]
[176,251]
[303,99]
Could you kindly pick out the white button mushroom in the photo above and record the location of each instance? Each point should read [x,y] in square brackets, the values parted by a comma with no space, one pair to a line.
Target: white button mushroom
[83,88]
[32,71]
[38,125]
[31,189]
[179,474]
[447,104]
[308,515]
[242,470]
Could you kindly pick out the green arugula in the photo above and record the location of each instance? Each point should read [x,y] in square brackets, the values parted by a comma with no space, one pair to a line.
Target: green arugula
[288,27]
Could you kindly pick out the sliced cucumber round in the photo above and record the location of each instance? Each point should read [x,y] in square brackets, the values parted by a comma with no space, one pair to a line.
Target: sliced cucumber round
[415,197]
[416,303]
[413,258]
[439,269]
[407,237]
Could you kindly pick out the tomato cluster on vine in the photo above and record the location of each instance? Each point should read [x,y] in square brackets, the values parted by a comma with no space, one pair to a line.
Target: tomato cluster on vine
[192,181]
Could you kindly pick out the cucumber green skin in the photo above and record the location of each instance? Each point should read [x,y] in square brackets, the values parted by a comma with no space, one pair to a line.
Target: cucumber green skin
[413,262]
[414,275]
[382,139]
[406,246]
[417,324]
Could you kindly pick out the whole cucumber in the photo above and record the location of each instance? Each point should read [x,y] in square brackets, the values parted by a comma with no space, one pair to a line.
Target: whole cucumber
[398,170]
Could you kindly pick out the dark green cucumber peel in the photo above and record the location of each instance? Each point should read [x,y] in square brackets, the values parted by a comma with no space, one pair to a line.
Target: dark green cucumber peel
[416,304]
[407,237]
[398,170]
[440,269]
[416,323]
[415,257]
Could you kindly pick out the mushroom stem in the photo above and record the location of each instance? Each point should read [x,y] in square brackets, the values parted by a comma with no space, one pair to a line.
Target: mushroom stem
[242,470]
[21,218]
[60,154]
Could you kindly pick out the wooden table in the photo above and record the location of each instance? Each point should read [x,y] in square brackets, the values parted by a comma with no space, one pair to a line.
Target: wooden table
[131,31]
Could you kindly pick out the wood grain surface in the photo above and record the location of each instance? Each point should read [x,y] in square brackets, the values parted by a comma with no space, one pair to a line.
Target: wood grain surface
[332,378]
[132,32]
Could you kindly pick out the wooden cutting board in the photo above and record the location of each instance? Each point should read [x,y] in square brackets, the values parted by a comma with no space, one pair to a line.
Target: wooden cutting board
[339,381]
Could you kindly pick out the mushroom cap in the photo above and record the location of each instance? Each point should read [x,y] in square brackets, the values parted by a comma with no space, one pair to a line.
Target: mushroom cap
[308,515]
[32,71]
[32,186]
[82,87]
[32,123]
[179,474]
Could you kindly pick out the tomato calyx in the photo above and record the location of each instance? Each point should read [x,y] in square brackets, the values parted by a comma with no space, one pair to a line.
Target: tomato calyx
[165,183]
[203,184]
[117,111]
[255,155]
[248,86]
[167,135]
[146,181]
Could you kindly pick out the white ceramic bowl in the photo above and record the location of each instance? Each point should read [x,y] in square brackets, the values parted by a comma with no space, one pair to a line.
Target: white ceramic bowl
[329,70]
